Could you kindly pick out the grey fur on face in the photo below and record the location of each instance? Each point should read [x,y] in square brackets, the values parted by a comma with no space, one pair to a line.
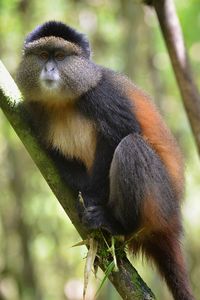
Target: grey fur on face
[53,80]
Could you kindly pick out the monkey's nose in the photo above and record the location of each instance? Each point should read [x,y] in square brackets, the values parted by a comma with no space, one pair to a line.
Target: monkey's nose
[49,75]
[49,67]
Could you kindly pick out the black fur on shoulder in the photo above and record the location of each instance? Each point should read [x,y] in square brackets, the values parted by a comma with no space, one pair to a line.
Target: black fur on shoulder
[107,99]
[59,29]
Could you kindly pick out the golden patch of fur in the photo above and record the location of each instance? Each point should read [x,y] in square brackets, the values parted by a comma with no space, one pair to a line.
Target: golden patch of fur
[72,134]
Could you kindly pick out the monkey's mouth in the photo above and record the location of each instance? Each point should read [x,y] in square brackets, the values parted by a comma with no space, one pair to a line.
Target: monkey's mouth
[49,80]
[49,84]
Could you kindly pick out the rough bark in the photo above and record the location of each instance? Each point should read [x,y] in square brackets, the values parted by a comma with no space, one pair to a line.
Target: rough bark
[127,281]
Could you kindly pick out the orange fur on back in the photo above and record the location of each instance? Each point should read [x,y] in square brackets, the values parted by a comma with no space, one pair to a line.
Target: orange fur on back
[158,136]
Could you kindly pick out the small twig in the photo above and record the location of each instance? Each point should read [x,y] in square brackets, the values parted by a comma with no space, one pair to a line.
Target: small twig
[114,254]
[91,255]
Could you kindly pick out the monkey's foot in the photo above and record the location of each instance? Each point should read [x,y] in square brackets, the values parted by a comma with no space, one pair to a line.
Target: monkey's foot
[93,217]
[96,217]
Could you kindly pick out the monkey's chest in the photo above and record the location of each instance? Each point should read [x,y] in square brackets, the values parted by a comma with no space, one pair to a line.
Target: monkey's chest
[74,136]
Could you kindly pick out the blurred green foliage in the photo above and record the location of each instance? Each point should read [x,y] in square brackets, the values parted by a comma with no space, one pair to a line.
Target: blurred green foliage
[36,258]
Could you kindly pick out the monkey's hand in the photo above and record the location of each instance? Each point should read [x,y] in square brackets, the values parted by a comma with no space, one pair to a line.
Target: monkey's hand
[97,216]
[90,215]
[94,217]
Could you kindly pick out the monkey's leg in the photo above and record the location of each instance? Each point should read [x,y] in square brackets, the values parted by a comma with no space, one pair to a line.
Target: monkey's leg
[98,216]
[122,209]
[141,193]
[140,187]
[136,173]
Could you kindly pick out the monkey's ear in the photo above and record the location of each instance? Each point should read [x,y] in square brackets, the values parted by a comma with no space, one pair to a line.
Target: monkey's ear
[61,30]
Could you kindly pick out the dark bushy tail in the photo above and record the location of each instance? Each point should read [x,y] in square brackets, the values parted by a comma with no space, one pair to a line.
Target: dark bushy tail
[167,254]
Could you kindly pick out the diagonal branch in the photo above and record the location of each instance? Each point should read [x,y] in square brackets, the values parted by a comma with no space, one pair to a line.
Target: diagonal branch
[173,37]
[127,281]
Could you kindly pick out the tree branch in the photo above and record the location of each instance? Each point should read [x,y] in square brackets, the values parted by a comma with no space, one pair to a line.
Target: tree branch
[173,37]
[127,281]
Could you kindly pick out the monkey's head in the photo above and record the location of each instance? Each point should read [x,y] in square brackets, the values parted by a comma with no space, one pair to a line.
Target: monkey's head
[56,64]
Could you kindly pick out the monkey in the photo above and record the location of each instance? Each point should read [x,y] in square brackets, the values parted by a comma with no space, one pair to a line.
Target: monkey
[110,143]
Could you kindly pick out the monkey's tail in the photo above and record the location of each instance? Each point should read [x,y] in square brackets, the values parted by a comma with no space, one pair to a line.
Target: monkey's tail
[166,252]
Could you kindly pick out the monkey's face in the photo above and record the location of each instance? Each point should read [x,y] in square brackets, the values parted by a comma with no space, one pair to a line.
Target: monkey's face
[54,70]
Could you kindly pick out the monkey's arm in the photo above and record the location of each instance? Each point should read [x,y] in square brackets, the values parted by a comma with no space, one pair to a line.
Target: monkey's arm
[72,171]
[110,110]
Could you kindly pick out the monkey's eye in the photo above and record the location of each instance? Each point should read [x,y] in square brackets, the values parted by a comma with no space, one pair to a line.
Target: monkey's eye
[59,55]
[44,55]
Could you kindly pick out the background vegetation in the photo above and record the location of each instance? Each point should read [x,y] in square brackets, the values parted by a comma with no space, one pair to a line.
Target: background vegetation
[36,258]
